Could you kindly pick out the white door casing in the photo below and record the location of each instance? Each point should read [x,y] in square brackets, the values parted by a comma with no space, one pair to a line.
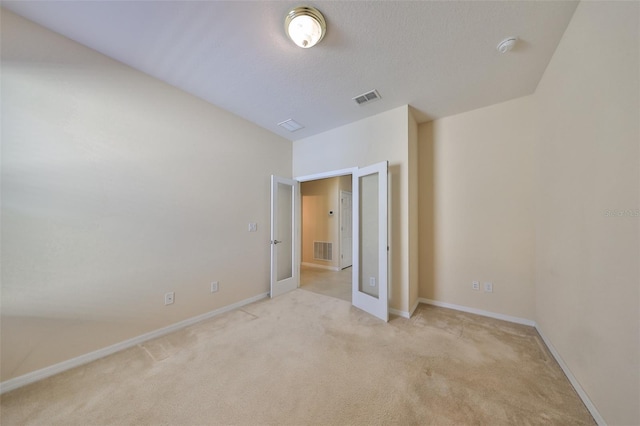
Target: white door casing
[346,229]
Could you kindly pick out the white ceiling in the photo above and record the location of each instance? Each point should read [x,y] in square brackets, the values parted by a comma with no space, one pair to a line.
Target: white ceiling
[438,57]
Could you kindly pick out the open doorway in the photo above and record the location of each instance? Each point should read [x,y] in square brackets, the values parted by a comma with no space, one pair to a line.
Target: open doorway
[327,236]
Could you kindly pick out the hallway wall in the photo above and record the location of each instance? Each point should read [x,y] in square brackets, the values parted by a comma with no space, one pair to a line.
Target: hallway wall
[318,198]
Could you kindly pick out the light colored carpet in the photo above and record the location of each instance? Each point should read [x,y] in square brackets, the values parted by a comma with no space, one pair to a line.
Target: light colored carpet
[304,358]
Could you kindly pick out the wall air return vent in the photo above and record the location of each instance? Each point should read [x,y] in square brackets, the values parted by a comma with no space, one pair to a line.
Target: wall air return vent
[322,250]
[367,97]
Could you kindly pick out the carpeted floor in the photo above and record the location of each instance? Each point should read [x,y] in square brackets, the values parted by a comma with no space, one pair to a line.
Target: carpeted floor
[304,358]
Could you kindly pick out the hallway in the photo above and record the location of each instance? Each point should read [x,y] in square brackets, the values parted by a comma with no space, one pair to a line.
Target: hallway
[327,282]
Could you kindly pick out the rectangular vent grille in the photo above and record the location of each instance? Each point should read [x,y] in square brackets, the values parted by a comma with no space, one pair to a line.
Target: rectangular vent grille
[291,125]
[367,97]
[322,250]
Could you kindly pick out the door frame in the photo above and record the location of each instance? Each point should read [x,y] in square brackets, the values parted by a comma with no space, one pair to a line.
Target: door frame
[341,193]
[317,176]
[307,178]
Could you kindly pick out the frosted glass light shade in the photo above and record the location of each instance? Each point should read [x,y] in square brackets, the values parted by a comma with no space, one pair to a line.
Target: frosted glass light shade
[305,26]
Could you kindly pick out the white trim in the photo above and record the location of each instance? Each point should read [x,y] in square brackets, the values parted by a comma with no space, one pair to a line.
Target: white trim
[413,309]
[324,175]
[315,265]
[341,195]
[403,314]
[574,382]
[502,317]
[43,373]
[572,379]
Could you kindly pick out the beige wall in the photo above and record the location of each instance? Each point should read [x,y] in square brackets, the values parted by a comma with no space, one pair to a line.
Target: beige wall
[117,188]
[540,195]
[476,208]
[318,198]
[368,141]
[587,277]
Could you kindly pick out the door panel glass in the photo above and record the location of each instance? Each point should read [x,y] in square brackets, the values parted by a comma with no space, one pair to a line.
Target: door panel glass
[285,246]
[368,238]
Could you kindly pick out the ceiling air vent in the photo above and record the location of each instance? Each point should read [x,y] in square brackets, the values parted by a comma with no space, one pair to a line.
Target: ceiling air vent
[367,97]
[290,125]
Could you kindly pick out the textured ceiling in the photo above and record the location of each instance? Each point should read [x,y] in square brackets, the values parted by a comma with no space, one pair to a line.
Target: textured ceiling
[438,57]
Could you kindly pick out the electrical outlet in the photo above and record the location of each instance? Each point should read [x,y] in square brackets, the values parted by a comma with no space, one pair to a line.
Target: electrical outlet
[253,227]
[372,281]
[169,298]
[488,287]
[475,285]
[214,286]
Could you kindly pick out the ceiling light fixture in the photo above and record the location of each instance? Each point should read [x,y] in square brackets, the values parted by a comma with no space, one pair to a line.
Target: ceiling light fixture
[305,26]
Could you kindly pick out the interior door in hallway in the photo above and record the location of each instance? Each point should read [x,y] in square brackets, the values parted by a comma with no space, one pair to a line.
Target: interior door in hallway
[285,269]
[346,229]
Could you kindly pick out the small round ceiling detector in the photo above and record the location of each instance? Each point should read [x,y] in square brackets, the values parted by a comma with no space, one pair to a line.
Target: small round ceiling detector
[305,26]
[507,44]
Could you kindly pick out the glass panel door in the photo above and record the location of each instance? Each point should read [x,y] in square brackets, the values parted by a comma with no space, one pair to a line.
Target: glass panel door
[284,244]
[284,268]
[370,282]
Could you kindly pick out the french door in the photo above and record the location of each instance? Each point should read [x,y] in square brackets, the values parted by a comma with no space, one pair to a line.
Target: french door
[370,249]
[369,228]
[285,269]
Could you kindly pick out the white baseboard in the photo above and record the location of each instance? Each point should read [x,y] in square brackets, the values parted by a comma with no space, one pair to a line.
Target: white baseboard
[489,314]
[398,312]
[315,265]
[405,314]
[413,309]
[43,373]
[572,379]
[574,382]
